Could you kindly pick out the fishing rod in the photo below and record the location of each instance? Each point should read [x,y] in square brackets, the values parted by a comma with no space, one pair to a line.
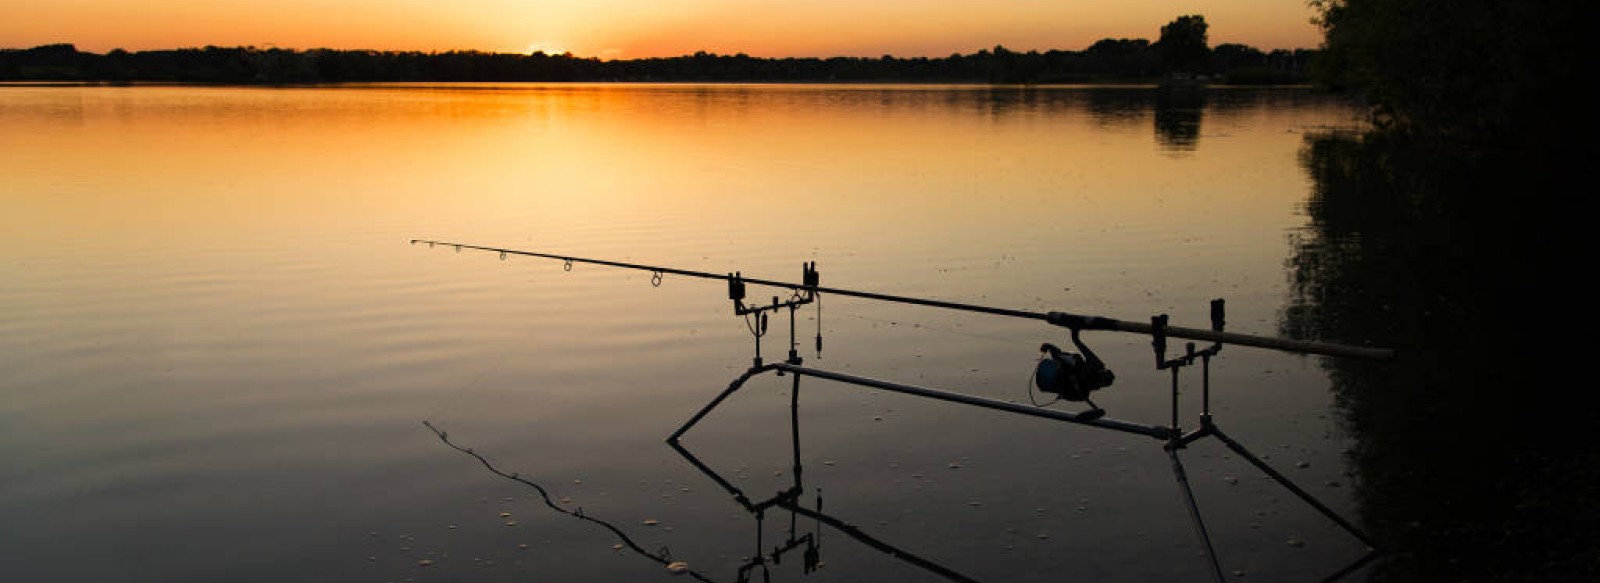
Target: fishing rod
[1070,376]
[1058,318]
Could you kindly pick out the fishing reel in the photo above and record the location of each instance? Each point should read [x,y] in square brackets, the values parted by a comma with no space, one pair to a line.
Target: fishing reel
[1072,376]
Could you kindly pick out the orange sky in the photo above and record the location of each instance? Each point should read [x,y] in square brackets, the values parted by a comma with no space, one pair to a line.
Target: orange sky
[642,28]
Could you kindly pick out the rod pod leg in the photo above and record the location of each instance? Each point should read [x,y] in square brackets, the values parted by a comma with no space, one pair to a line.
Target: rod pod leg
[1194,515]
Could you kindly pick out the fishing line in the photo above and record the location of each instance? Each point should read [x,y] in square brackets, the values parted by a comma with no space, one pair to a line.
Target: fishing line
[818,298]
[662,556]
[1030,381]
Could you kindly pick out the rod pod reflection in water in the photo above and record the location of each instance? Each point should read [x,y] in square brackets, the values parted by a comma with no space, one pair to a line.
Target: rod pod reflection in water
[1070,377]
[792,500]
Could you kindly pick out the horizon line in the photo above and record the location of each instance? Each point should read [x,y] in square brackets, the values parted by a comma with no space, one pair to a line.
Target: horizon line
[272,46]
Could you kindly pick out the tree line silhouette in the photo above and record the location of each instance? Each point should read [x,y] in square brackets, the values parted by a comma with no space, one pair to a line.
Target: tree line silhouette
[1109,60]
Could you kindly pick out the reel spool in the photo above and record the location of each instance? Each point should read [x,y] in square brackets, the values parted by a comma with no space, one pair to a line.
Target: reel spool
[1072,376]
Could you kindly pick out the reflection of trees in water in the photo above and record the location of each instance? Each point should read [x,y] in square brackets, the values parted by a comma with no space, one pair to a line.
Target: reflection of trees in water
[1003,101]
[1178,116]
[1117,106]
[1471,458]
[1177,112]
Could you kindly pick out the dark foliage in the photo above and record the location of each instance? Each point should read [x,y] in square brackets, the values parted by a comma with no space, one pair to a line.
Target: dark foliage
[1450,232]
[1183,44]
[1473,460]
[1465,70]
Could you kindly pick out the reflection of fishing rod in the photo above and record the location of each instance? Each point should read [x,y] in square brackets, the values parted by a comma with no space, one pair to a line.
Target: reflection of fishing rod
[1063,319]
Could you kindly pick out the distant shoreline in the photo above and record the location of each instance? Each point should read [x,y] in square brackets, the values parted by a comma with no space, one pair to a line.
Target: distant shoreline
[1110,61]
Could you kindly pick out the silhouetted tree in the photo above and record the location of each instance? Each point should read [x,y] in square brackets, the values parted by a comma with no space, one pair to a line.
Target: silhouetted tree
[1122,57]
[54,62]
[1463,69]
[8,65]
[1007,66]
[1183,43]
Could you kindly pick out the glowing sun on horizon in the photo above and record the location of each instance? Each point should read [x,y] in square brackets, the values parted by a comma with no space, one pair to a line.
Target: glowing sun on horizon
[546,48]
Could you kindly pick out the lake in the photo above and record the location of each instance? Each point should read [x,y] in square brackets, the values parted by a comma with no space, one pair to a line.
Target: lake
[218,345]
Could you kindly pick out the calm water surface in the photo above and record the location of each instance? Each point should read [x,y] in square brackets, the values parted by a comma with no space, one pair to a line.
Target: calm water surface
[217,346]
